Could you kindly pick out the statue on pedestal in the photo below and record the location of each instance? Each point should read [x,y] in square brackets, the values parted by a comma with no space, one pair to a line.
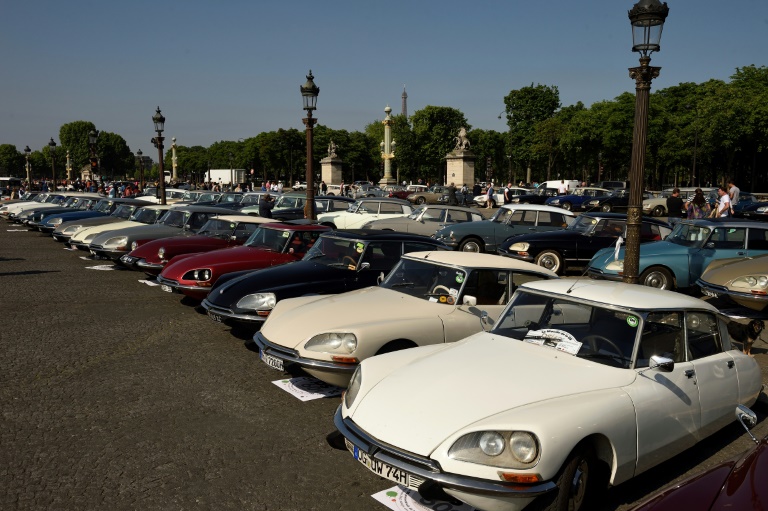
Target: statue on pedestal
[462,142]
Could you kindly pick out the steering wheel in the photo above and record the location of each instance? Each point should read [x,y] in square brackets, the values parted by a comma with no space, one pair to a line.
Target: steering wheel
[594,340]
[352,262]
[440,287]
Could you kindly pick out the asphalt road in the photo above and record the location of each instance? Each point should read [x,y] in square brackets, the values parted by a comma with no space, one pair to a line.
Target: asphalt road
[115,395]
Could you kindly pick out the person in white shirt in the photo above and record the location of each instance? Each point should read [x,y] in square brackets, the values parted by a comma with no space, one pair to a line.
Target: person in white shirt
[562,189]
[724,204]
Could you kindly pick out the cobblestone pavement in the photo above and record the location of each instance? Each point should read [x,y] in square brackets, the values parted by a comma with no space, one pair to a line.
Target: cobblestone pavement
[115,395]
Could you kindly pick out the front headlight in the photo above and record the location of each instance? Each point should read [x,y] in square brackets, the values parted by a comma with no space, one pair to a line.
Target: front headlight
[90,237]
[201,275]
[354,387]
[617,265]
[134,245]
[332,342]
[555,201]
[117,242]
[54,221]
[161,252]
[593,202]
[258,301]
[515,200]
[490,448]
[520,247]
[755,282]
[762,209]
[71,229]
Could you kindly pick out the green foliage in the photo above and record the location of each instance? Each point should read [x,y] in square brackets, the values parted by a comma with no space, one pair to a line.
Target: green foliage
[434,131]
[73,137]
[12,161]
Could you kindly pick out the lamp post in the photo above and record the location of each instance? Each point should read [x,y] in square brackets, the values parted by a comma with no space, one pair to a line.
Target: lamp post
[309,93]
[695,142]
[231,172]
[52,145]
[27,152]
[387,149]
[174,175]
[512,177]
[159,121]
[647,19]
[93,137]
[69,168]
[140,155]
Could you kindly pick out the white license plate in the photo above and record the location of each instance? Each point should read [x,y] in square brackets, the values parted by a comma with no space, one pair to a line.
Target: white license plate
[167,289]
[709,293]
[214,316]
[380,468]
[273,362]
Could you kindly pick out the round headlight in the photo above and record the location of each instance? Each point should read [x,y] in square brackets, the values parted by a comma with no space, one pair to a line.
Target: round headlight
[491,443]
[520,247]
[71,229]
[523,446]
[89,237]
[555,201]
[134,245]
[117,242]
[257,301]
[161,252]
[353,388]
[54,221]
[333,342]
[617,265]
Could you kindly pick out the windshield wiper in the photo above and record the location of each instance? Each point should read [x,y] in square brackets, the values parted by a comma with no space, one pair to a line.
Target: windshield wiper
[315,256]
[403,284]
[620,358]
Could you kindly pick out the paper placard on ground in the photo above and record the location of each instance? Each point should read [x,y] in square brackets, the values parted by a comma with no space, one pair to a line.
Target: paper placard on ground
[149,282]
[405,499]
[86,258]
[16,230]
[307,388]
[103,267]
[71,248]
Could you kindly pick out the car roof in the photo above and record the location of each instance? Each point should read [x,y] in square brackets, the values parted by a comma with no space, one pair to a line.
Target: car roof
[445,206]
[538,207]
[726,222]
[631,296]
[197,209]
[248,219]
[382,235]
[384,199]
[623,216]
[296,226]
[477,260]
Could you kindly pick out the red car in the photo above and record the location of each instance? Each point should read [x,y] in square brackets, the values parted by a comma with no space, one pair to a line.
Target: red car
[741,483]
[219,232]
[271,244]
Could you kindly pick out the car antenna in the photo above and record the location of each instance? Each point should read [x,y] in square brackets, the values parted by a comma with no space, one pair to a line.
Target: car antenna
[576,280]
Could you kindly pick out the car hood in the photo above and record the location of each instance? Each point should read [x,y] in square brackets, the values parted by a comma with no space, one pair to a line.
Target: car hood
[185,240]
[139,232]
[468,377]
[724,271]
[362,308]
[215,258]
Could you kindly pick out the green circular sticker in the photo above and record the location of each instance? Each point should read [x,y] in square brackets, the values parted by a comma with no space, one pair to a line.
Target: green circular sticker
[632,321]
[459,278]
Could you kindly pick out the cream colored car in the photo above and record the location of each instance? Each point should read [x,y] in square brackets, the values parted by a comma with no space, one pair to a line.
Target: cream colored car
[427,298]
[146,215]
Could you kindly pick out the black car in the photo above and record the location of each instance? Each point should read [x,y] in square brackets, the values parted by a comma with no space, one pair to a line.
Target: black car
[616,201]
[575,245]
[755,210]
[339,261]
[323,204]
[538,196]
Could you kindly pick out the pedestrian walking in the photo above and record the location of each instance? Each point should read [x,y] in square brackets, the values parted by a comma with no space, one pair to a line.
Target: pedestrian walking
[508,193]
[489,197]
[697,206]
[675,207]
[452,200]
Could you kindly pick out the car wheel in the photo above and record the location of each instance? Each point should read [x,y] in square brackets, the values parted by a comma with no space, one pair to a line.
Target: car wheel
[658,211]
[421,200]
[331,194]
[658,277]
[606,208]
[550,260]
[332,226]
[472,245]
[566,206]
[575,484]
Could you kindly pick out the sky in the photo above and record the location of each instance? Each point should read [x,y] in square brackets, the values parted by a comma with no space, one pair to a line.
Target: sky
[231,69]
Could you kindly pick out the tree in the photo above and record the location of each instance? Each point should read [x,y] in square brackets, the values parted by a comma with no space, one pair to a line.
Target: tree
[74,138]
[12,161]
[434,132]
[115,158]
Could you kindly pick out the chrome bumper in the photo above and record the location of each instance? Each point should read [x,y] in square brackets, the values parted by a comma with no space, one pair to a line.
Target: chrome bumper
[291,356]
[230,314]
[716,291]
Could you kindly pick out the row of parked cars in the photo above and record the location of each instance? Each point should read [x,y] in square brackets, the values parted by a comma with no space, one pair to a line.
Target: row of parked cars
[410,324]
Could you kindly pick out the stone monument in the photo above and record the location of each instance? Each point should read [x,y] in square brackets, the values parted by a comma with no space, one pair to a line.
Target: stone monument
[331,166]
[460,168]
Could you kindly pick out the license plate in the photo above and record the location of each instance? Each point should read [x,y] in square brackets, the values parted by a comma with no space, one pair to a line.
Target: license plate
[167,289]
[709,293]
[214,316]
[273,362]
[380,468]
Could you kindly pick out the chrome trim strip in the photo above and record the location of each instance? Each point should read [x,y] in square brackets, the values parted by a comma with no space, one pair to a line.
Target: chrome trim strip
[289,355]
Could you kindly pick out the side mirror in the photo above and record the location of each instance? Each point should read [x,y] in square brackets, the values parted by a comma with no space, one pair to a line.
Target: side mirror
[663,364]
[710,244]
[748,419]
[470,301]
[364,266]
[187,227]
[483,319]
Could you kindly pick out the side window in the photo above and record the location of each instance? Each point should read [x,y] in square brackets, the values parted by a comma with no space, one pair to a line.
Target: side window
[197,220]
[649,232]
[758,238]
[382,255]
[703,335]
[529,218]
[244,231]
[390,208]
[663,336]
[432,215]
[725,237]
[610,228]
[490,287]
[410,246]
[456,215]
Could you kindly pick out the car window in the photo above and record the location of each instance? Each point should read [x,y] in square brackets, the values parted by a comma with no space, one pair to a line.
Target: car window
[728,237]
[649,232]
[382,255]
[610,228]
[503,216]
[432,215]
[551,219]
[457,215]
[390,208]
[662,336]
[489,287]
[197,220]
[369,207]
[703,335]
[758,239]
[244,230]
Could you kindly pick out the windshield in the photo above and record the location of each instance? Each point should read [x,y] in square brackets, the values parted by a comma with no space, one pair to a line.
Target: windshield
[103,206]
[416,212]
[287,201]
[582,329]
[250,199]
[426,280]
[174,218]
[502,215]
[146,215]
[688,235]
[231,197]
[583,224]
[269,239]
[217,228]
[124,211]
[337,252]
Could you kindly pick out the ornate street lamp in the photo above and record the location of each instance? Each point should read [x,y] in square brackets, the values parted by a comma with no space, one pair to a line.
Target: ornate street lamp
[52,145]
[139,154]
[159,121]
[387,149]
[309,93]
[93,137]
[27,152]
[647,19]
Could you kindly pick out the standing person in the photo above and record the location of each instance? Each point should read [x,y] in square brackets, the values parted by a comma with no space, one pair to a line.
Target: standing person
[733,193]
[489,197]
[724,204]
[464,192]
[561,188]
[265,206]
[675,207]
[697,207]
[476,190]
[323,188]
[452,200]
[508,193]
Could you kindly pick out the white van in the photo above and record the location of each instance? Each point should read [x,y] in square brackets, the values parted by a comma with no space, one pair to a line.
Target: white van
[572,184]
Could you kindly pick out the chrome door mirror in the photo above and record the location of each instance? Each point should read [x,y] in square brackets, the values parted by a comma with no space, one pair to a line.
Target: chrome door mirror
[748,419]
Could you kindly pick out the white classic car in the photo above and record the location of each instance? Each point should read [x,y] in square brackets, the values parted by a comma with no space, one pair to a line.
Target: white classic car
[578,385]
[149,214]
[364,210]
[428,298]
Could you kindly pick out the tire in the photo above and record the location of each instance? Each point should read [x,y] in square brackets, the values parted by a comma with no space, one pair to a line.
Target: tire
[657,277]
[472,245]
[331,194]
[566,206]
[576,484]
[550,260]
[606,208]
[658,211]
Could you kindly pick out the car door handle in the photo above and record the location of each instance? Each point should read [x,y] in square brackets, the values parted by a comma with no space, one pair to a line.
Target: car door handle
[690,373]
[741,253]
[730,364]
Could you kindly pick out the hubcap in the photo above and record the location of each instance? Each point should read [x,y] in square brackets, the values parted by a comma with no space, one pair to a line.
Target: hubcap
[549,262]
[471,246]
[579,486]
[656,280]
